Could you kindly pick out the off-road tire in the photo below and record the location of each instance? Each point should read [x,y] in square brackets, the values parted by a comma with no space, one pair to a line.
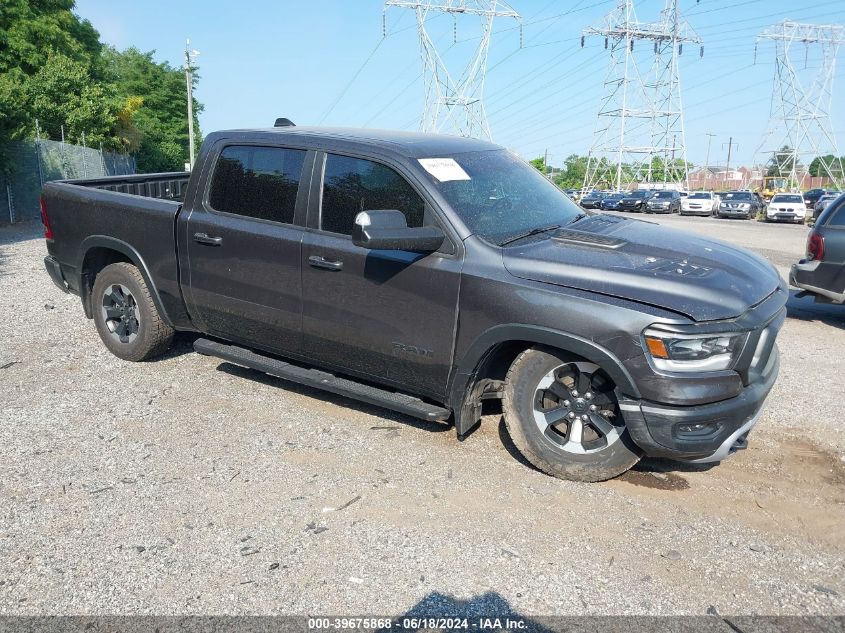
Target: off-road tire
[522,382]
[153,336]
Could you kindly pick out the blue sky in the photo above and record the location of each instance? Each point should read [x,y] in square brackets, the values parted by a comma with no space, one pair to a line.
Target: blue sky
[264,59]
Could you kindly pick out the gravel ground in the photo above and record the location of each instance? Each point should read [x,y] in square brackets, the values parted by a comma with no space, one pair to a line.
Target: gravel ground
[190,486]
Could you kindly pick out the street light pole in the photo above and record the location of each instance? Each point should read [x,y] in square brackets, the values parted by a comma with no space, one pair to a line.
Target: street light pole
[189,81]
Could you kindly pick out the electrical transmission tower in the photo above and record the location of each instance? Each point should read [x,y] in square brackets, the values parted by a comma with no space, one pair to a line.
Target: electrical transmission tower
[639,135]
[799,126]
[451,103]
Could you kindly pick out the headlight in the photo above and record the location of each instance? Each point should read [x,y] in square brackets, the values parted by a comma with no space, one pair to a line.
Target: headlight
[693,352]
[745,205]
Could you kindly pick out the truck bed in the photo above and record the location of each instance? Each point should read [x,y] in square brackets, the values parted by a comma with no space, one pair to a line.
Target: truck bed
[164,186]
[128,218]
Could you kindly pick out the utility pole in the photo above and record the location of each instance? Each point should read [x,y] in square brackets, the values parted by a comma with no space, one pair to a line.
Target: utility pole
[728,166]
[456,102]
[730,144]
[189,81]
[707,160]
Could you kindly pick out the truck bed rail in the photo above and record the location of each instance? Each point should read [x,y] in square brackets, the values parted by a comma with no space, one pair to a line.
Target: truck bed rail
[165,186]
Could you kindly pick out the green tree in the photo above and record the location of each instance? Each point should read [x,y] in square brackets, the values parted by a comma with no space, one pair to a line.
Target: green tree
[572,175]
[782,162]
[62,94]
[160,122]
[827,165]
[53,68]
[539,164]
[31,31]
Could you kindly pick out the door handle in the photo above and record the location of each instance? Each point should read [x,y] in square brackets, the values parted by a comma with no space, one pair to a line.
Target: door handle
[203,238]
[318,261]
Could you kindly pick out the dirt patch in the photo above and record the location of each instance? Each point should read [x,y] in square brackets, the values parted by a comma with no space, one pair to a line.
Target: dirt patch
[781,485]
[657,481]
[809,461]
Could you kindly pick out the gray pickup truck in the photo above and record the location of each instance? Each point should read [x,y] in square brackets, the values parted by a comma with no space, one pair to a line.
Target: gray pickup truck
[426,274]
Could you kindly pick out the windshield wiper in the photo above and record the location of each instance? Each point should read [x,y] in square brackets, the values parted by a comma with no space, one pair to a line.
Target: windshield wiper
[537,231]
[577,218]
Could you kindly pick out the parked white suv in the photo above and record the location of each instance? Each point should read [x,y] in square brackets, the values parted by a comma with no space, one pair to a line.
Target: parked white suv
[786,207]
[700,203]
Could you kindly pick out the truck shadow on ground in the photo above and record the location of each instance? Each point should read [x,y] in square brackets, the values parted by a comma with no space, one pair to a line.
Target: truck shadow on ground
[806,309]
[336,400]
[183,343]
[490,611]
[481,612]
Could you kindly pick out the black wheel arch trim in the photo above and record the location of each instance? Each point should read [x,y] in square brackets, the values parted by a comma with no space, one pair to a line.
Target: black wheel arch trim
[104,241]
[463,403]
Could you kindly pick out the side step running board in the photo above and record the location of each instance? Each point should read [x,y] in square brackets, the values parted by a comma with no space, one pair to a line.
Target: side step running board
[400,402]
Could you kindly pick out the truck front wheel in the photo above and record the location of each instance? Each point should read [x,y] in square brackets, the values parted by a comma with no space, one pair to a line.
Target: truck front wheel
[126,316]
[563,416]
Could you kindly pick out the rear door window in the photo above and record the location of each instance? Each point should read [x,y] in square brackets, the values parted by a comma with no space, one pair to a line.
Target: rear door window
[257,182]
[352,185]
[837,214]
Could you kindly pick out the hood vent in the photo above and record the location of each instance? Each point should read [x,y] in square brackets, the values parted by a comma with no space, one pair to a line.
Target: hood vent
[588,239]
[593,231]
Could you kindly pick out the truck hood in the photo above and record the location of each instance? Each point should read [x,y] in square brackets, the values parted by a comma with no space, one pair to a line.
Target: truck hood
[701,278]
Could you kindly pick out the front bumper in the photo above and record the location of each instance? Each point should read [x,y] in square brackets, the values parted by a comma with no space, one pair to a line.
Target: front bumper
[725,212]
[784,216]
[696,211]
[701,433]
[705,417]
[630,206]
[736,441]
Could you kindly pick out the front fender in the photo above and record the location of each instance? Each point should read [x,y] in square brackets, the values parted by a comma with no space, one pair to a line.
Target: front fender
[464,374]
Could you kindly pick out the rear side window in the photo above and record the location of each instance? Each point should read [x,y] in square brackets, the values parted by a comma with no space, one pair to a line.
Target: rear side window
[837,212]
[352,185]
[257,182]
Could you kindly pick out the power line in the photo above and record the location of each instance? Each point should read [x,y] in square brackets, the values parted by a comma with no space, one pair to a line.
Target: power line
[351,81]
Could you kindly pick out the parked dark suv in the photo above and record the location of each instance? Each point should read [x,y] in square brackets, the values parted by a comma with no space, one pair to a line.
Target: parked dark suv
[634,200]
[822,271]
[664,202]
[740,204]
[611,201]
[592,200]
[425,274]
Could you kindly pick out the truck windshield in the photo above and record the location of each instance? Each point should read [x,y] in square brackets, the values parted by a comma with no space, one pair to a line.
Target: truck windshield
[498,195]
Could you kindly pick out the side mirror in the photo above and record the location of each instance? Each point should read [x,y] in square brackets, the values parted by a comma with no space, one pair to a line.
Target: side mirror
[388,230]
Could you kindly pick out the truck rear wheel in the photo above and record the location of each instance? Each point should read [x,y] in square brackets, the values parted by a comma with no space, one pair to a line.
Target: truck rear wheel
[126,317]
[563,416]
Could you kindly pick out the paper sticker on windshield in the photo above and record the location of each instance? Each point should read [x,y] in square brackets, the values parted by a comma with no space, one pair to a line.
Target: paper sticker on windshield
[444,169]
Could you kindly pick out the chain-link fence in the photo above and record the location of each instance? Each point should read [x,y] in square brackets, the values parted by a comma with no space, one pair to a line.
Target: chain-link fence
[39,161]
